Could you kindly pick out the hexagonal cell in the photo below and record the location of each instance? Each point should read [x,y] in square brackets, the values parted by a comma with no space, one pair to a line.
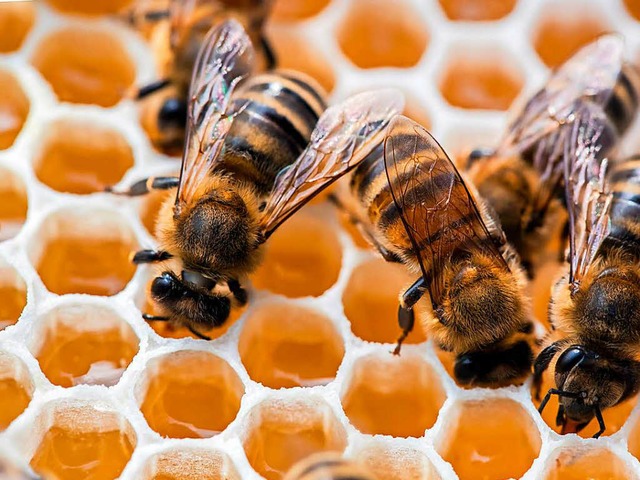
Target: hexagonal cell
[294,10]
[376,33]
[85,65]
[16,388]
[84,344]
[563,29]
[633,7]
[614,417]
[190,394]
[190,464]
[391,395]
[394,462]
[80,156]
[371,305]
[295,53]
[284,345]
[13,295]
[95,7]
[13,208]
[592,463]
[480,79]
[282,432]
[490,439]
[303,258]
[83,251]
[83,440]
[14,109]
[16,20]
[477,11]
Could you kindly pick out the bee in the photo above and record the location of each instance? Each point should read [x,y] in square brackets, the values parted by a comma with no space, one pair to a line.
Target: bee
[522,177]
[190,21]
[328,466]
[257,150]
[416,208]
[595,305]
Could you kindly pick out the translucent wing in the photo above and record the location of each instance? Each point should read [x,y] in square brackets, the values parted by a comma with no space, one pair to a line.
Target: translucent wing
[344,135]
[439,213]
[224,59]
[588,201]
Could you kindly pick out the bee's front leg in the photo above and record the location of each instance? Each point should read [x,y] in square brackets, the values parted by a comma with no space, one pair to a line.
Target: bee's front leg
[239,293]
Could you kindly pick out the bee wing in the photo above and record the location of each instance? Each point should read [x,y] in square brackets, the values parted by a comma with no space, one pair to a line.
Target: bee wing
[588,201]
[225,58]
[437,210]
[344,135]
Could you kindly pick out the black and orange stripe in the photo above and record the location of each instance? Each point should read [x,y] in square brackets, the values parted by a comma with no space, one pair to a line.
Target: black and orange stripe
[622,106]
[329,468]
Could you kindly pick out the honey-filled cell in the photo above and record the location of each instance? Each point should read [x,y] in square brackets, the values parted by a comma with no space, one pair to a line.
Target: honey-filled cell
[16,389]
[84,251]
[491,439]
[94,7]
[371,298]
[477,10]
[563,30]
[13,295]
[284,345]
[83,344]
[85,65]
[283,432]
[397,463]
[592,464]
[83,441]
[78,156]
[14,109]
[16,20]
[391,395]
[303,258]
[376,33]
[633,7]
[295,10]
[481,81]
[190,394]
[14,205]
[190,464]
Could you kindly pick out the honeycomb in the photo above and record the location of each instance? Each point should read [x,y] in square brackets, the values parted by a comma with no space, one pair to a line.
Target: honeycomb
[90,390]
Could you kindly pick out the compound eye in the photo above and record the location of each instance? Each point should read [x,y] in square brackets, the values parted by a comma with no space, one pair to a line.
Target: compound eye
[569,359]
[173,114]
[161,286]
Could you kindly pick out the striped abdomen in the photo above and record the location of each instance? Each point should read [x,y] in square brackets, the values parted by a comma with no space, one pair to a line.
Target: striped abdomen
[282,109]
[623,104]
[328,467]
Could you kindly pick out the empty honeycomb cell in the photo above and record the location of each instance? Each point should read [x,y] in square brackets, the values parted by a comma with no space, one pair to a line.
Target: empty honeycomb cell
[16,388]
[13,208]
[480,80]
[83,344]
[190,394]
[13,295]
[633,7]
[591,463]
[14,109]
[283,345]
[477,11]
[370,301]
[490,439]
[283,432]
[295,53]
[303,257]
[83,441]
[296,10]
[16,20]
[80,156]
[190,464]
[84,251]
[563,29]
[392,395]
[397,463]
[94,7]
[85,65]
[376,33]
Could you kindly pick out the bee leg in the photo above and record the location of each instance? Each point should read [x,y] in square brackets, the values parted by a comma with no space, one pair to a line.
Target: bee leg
[150,256]
[152,88]
[603,427]
[269,54]
[406,316]
[201,336]
[155,318]
[146,185]
[541,364]
[239,293]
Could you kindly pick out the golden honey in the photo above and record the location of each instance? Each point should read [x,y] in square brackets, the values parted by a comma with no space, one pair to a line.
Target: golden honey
[13,208]
[633,7]
[16,20]
[13,295]
[634,440]
[15,389]
[192,464]
[94,7]
[14,108]
[397,463]
[284,345]
[594,464]
[85,65]
[295,10]
[491,439]
[77,157]
[190,394]
[150,207]
[477,10]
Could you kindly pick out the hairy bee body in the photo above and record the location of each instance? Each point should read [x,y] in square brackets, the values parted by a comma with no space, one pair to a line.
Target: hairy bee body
[328,466]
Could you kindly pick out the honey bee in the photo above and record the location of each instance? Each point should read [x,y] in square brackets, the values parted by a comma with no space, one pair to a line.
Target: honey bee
[522,177]
[328,466]
[257,150]
[595,305]
[416,208]
[190,20]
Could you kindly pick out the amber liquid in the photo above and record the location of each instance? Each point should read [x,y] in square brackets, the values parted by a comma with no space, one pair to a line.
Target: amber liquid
[150,209]
[292,10]
[13,208]
[95,7]
[74,455]
[594,465]
[493,440]
[14,108]
[477,10]
[633,7]
[14,398]
[16,19]
[85,265]
[12,302]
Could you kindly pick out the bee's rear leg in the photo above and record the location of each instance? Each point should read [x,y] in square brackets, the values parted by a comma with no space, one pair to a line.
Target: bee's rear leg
[153,87]
[201,336]
[406,316]
[146,185]
[155,318]
[239,293]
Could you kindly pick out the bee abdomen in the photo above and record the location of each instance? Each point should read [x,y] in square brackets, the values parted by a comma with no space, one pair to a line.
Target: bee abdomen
[625,207]
[329,468]
[622,107]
